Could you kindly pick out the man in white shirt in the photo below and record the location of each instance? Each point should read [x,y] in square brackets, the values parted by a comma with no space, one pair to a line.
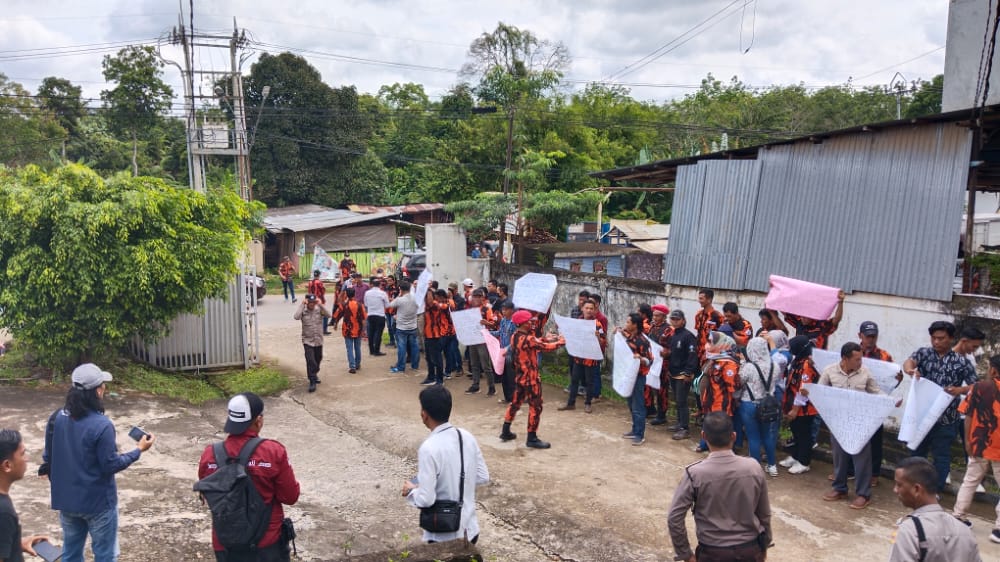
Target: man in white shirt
[440,463]
[376,302]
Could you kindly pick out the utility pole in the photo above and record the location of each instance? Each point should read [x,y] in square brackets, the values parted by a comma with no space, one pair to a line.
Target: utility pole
[900,87]
[207,137]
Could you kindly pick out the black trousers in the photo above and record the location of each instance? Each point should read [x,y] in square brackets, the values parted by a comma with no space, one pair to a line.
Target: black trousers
[277,552]
[801,428]
[313,357]
[435,360]
[376,325]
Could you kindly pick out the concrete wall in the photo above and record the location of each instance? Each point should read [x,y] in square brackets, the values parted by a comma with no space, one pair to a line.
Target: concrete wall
[967,21]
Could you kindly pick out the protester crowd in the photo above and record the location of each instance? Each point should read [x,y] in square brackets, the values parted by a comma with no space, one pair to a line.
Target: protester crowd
[744,383]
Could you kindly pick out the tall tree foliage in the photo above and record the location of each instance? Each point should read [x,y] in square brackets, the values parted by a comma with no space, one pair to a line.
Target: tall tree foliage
[140,98]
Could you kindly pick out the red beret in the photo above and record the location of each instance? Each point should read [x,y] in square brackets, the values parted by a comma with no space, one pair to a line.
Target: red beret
[661,308]
[521,316]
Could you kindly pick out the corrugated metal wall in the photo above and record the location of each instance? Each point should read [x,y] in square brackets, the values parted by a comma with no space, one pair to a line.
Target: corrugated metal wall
[876,212]
[218,338]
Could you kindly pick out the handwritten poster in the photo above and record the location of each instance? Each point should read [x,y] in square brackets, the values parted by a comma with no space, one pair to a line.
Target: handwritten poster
[925,403]
[883,372]
[653,378]
[852,416]
[497,353]
[801,297]
[328,270]
[581,337]
[420,293]
[625,367]
[468,326]
[534,291]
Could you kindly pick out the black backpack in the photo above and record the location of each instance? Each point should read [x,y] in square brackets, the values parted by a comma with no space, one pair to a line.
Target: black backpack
[768,407]
[239,515]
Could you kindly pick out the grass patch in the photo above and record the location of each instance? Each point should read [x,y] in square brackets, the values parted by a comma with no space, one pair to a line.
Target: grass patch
[18,366]
[554,370]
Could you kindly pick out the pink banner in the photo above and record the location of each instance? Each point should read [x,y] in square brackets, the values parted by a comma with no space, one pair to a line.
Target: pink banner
[496,352]
[801,297]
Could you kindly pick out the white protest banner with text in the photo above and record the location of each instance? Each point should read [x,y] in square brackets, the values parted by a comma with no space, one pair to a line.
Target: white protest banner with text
[625,367]
[653,378]
[852,416]
[581,337]
[534,291]
[883,372]
[328,269]
[496,352]
[925,403]
[423,282]
[468,326]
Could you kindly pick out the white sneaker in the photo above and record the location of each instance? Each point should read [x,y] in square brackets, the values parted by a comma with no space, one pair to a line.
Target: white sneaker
[772,470]
[981,490]
[947,479]
[798,468]
[788,462]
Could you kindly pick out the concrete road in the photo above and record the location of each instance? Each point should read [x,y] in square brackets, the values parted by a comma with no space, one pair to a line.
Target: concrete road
[592,497]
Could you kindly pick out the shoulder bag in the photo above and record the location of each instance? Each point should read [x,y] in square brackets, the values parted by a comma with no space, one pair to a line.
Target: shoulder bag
[768,408]
[445,516]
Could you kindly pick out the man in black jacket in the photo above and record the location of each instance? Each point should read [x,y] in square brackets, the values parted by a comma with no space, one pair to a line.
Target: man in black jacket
[683,365]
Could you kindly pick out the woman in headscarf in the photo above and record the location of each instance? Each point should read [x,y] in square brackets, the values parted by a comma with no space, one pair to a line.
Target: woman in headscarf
[758,376]
[781,357]
[799,411]
[721,379]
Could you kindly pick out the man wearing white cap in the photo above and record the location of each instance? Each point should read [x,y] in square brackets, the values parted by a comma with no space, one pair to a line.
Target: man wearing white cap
[269,470]
[81,459]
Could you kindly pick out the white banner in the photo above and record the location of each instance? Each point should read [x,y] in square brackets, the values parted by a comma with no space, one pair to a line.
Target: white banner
[423,282]
[328,270]
[852,416]
[925,403]
[534,291]
[581,337]
[883,372]
[624,367]
[653,378]
[468,326]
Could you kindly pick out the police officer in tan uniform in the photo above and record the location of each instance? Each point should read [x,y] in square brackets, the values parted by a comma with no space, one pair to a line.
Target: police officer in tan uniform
[732,515]
[929,534]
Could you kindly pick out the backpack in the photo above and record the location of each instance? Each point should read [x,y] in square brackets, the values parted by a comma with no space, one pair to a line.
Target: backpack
[239,515]
[768,408]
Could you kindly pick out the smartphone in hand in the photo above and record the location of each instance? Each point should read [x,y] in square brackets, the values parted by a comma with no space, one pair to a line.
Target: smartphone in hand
[137,433]
[47,551]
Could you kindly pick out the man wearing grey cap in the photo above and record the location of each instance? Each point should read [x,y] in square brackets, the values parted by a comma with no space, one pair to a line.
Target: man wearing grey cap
[81,459]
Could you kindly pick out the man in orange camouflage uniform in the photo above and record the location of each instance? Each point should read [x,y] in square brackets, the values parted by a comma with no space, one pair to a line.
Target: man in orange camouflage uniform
[706,321]
[352,314]
[799,411]
[660,332]
[526,347]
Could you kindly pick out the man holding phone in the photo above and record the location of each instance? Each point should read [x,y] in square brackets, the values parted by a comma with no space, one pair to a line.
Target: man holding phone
[81,459]
[13,464]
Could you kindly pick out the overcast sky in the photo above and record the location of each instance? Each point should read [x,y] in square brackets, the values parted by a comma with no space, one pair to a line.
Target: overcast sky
[763,42]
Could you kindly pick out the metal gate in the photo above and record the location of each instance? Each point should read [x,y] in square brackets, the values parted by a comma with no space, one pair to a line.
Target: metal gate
[224,335]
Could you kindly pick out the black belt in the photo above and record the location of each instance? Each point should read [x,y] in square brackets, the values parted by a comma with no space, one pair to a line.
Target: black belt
[752,542]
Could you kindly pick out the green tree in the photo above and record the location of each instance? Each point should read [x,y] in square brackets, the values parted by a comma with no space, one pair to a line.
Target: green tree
[927,98]
[28,132]
[482,215]
[63,100]
[137,103]
[87,263]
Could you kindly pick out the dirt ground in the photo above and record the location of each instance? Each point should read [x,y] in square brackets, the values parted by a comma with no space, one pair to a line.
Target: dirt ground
[591,497]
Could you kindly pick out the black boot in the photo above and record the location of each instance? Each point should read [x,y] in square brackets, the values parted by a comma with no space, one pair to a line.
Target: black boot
[535,443]
[505,434]
[312,386]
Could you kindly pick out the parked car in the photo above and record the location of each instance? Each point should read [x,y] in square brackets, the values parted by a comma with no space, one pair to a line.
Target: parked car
[411,265]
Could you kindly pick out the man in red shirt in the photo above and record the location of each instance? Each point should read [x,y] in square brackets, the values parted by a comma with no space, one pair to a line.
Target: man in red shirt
[269,470]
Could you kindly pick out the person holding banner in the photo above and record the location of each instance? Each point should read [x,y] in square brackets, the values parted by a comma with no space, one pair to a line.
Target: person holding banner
[850,374]
[639,346]
[818,331]
[660,332]
[479,356]
[868,334]
[950,370]
[582,371]
[798,410]
[504,333]
[526,348]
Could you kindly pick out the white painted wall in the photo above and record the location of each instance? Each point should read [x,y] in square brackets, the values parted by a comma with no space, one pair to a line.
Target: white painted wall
[446,253]
[967,21]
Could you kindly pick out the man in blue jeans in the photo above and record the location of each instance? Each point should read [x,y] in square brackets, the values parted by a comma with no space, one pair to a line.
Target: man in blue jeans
[941,365]
[81,459]
[405,311]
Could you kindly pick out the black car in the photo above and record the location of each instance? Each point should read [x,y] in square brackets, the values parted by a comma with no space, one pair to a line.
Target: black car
[411,265]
